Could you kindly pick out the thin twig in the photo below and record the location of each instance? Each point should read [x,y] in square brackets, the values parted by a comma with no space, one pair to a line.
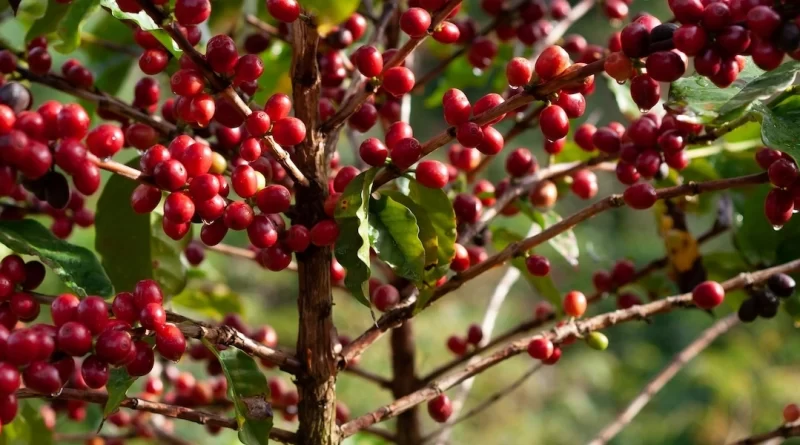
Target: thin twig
[174,411]
[486,404]
[107,44]
[556,335]
[396,316]
[530,325]
[657,383]
[102,99]
[264,27]
[576,13]
[782,432]
[381,381]
[499,295]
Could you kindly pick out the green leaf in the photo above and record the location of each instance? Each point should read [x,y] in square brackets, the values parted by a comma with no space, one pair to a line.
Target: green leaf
[622,95]
[439,210]
[213,303]
[118,384]
[699,100]
[49,21]
[77,267]
[544,286]
[754,236]
[779,127]
[394,235]
[249,390]
[331,13]
[146,23]
[69,29]
[760,88]
[427,235]
[566,243]
[352,247]
[133,246]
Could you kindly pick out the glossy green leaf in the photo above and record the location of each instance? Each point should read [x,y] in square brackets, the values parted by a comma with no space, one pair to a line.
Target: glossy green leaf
[754,237]
[394,235]
[69,29]
[427,234]
[699,100]
[146,23]
[352,247]
[544,286]
[118,384]
[330,13]
[249,391]
[760,88]
[779,126]
[214,303]
[48,23]
[122,241]
[439,210]
[77,267]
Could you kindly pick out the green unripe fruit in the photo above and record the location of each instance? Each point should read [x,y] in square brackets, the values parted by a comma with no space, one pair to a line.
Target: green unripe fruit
[597,340]
[218,163]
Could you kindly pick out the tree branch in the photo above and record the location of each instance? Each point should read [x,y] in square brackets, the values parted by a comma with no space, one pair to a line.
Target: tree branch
[784,431]
[174,411]
[102,99]
[264,27]
[486,404]
[556,335]
[396,316]
[657,383]
[499,295]
[530,325]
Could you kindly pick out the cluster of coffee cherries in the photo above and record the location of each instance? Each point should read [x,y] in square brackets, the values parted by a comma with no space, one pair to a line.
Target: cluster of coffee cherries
[459,345]
[43,356]
[780,204]
[715,32]
[765,301]
[623,272]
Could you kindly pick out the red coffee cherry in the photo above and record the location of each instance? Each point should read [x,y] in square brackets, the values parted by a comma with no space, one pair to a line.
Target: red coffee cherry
[537,265]
[540,348]
[640,196]
[432,174]
[574,304]
[708,294]
[554,122]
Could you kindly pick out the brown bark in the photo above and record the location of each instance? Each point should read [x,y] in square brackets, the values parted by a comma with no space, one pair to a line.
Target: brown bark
[409,430]
[317,408]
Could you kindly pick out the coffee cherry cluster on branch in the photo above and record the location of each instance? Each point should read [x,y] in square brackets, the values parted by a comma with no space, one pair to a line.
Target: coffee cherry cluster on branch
[765,301]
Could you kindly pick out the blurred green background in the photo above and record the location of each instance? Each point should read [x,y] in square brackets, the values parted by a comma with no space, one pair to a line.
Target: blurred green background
[738,386]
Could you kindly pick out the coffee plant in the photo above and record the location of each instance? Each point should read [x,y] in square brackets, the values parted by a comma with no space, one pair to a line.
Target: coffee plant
[279,134]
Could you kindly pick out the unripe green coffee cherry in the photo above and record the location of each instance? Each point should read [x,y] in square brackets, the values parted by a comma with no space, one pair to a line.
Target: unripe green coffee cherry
[597,340]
